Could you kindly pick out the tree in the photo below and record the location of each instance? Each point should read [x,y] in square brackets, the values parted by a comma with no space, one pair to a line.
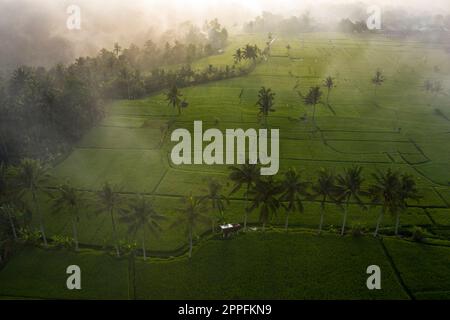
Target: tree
[110,201]
[117,49]
[251,52]
[68,198]
[31,175]
[142,216]
[217,201]
[325,189]
[385,191]
[408,191]
[312,98]
[191,216]
[378,80]
[173,98]
[6,191]
[238,56]
[245,175]
[265,103]
[349,187]
[329,84]
[293,189]
[288,49]
[265,194]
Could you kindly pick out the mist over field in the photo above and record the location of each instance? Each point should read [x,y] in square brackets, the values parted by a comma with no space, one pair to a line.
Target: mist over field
[34,32]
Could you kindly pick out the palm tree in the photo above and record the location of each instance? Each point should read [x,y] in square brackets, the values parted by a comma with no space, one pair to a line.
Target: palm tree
[217,201]
[325,188]
[69,199]
[293,191]
[238,56]
[288,49]
[117,49]
[349,188]
[142,216]
[329,84]
[31,175]
[408,191]
[245,175]
[192,215]
[265,197]
[265,103]
[378,80]
[250,52]
[385,191]
[110,201]
[173,97]
[312,99]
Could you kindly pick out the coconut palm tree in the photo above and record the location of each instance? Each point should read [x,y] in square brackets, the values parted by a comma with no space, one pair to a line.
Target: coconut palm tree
[329,84]
[324,188]
[408,191]
[293,189]
[250,52]
[217,201]
[244,175]
[110,202]
[288,49]
[265,197]
[191,216]
[117,49]
[69,199]
[378,80]
[385,191]
[349,187]
[173,97]
[142,216]
[312,98]
[31,175]
[237,56]
[265,103]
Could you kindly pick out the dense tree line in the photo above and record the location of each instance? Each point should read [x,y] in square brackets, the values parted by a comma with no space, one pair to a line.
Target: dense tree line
[43,112]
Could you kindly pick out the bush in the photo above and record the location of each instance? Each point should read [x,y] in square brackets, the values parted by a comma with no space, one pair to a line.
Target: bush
[358,230]
[418,234]
[60,241]
[30,236]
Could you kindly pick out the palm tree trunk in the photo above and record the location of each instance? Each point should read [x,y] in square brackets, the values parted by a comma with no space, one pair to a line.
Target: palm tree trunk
[116,242]
[246,209]
[380,218]
[41,220]
[190,243]
[397,223]
[345,219]
[144,252]
[328,95]
[75,233]
[286,224]
[322,211]
[264,227]
[13,227]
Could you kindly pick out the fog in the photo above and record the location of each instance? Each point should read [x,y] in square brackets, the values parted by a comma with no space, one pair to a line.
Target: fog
[34,32]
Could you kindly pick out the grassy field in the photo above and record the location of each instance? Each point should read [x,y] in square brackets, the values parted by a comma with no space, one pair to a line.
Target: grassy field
[397,128]
[275,265]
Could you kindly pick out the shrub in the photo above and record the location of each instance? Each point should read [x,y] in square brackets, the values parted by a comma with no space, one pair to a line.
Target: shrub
[60,241]
[418,234]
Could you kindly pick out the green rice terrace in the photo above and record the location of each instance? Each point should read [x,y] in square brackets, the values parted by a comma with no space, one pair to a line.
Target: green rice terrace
[398,125]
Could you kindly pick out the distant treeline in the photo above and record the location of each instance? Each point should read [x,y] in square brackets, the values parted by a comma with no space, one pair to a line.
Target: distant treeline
[398,22]
[43,112]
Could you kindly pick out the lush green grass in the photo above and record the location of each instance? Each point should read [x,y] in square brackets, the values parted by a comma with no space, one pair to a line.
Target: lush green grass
[424,268]
[38,273]
[271,266]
